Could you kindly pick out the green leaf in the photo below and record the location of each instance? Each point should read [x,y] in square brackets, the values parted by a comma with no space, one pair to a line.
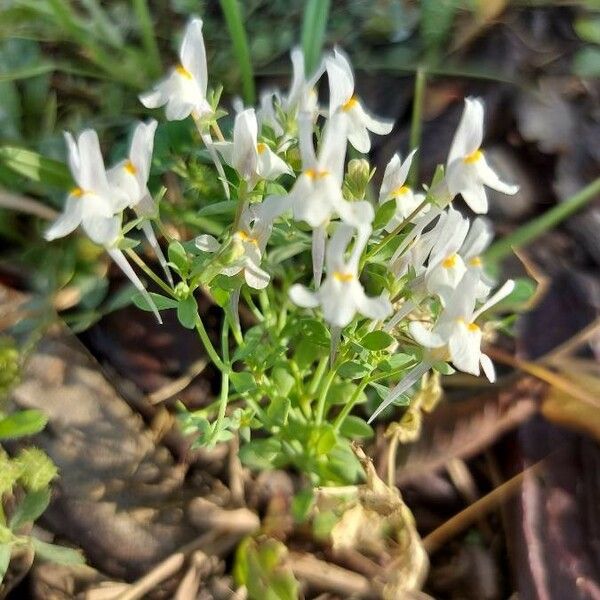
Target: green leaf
[32,506]
[261,566]
[278,410]
[354,427]
[340,393]
[225,207]
[261,454]
[588,29]
[353,370]
[314,25]
[5,550]
[242,381]
[326,439]
[443,367]
[377,340]
[60,555]
[302,502]
[27,73]
[396,361]
[517,300]
[187,312]
[384,214]
[22,423]
[162,302]
[35,167]
[437,17]
[178,257]
[283,381]
[237,32]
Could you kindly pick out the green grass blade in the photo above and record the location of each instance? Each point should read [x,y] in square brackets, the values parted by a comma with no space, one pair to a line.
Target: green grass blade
[237,32]
[314,26]
[536,227]
[147,33]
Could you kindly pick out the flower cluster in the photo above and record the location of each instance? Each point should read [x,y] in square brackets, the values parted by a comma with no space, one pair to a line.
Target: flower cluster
[434,288]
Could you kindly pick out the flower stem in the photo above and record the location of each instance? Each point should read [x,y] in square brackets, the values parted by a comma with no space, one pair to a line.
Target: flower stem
[149,272]
[350,404]
[416,123]
[390,236]
[536,227]
[208,346]
[318,376]
[323,396]
[224,394]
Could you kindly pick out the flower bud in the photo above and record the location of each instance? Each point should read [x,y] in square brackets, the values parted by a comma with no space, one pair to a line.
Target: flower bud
[357,178]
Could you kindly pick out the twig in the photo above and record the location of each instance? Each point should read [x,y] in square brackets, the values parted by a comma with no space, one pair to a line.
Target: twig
[459,522]
[236,473]
[239,521]
[328,577]
[179,384]
[167,568]
[573,343]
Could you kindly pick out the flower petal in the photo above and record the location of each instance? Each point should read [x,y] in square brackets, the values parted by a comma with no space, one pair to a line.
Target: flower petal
[488,177]
[255,277]
[68,221]
[469,134]
[93,175]
[424,336]
[193,53]
[140,152]
[302,296]
[465,348]
[341,80]
[245,133]
[102,230]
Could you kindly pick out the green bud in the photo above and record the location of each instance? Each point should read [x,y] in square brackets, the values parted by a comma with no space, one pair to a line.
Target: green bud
[37,469]
[10,472]
[181,291]
[357,178]
[10,365]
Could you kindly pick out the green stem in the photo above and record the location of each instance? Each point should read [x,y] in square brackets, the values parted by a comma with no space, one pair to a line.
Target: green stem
[417,123]
[208,346]
[318,376]
[390,236]
[224,395]
[536,227]
[144,19]
[323,396]
[237,32]
[350,404]
[149,272]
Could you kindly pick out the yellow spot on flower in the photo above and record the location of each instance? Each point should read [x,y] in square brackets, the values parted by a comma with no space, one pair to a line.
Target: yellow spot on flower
[181,70]
[473,157]
[260,147]
[476,261]
[242,235]
[314,174]
[450,262]
[473,327]
[130,167]
[77,192]
[350,104]
[343,277]
[400,191]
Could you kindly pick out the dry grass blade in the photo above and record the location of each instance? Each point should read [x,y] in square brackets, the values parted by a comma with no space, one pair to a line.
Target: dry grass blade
[179,384]
[458,523]
[544,374]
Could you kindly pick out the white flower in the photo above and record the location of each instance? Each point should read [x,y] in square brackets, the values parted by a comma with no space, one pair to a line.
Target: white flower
[342,296]
[251,239]
[467,171]
[302,96]
[343,101]
[253,160]
[130,176]
[316,196]
[393,187]
[129,179]
[456,336]
[457,249]
[184,90]
[92,203]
